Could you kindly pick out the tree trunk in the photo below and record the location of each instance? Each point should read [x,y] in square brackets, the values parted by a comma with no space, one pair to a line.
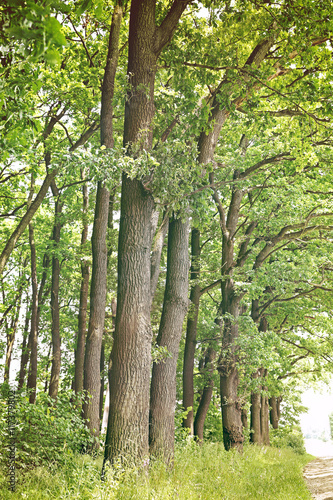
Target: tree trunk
[256,436]
[156,255]
[55,329]
[206,397]
[25,351]
[92,378]
[264,416]
[131,353]
[84,291]
[244,418]
[191,332]
[163,384]
[11,335]
[32,377]
[274,403]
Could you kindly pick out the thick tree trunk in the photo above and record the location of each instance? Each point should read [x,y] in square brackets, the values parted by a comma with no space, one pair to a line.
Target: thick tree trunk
[131,353]
[206,397]
[101,396]
[84,291]
[32,377]
[55,329]
[163,384]
[92,378]
[191,333]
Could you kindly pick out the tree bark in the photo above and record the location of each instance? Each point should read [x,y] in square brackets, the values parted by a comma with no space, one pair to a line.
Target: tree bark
[256,435]
[128,424]
[206,397]
[191,332]
[33,339]
[264,414]
[55,328]
[92,375]
[156,256]
[25,351]
[84,291]
[274,403]
[92,378]
[163,384]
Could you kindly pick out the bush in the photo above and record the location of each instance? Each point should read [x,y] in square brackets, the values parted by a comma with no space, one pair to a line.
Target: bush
[288,437]
[47,431]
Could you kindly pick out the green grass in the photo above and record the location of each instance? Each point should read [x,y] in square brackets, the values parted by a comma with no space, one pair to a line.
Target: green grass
[205,473]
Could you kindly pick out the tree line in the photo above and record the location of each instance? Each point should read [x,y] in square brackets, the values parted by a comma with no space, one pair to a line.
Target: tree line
[166,208]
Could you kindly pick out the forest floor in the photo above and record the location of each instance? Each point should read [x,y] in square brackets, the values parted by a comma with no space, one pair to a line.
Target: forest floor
[318,475]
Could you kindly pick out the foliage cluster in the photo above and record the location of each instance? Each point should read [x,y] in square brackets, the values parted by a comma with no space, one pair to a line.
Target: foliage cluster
[48,432]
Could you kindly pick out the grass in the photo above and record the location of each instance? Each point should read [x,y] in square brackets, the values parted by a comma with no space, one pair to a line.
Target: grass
[205,473]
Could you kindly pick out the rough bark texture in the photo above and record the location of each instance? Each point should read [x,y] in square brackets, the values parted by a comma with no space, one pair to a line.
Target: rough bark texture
[55,329]
[32,377]
[163,384]
[131,354]
[84,291]
[92,378]
[206,396]
[191,332]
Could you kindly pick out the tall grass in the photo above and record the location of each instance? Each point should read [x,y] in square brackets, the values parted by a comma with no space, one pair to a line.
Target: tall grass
[205,473]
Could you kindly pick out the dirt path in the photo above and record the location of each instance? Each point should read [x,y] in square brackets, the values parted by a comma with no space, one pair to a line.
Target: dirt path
[319,478]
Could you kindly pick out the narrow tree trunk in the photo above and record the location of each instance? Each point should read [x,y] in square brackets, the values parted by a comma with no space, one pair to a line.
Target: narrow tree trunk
[101,397]
[32,377]
[92,377]
[274,403]
[25,351]
[55,329]
[11,336]
[191,332]
[256,436]
[206,397]
[264,416]
[156,255]
[244,418]
[163,384]
[84,291]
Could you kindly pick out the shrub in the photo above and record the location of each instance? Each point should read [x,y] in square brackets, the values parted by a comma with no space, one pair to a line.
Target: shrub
[47,431]
[288,437]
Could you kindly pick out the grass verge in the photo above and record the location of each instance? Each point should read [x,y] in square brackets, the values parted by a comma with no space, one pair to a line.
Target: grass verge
[205,473]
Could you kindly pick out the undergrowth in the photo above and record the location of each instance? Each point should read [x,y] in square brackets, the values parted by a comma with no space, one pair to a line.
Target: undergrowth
[205,473]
